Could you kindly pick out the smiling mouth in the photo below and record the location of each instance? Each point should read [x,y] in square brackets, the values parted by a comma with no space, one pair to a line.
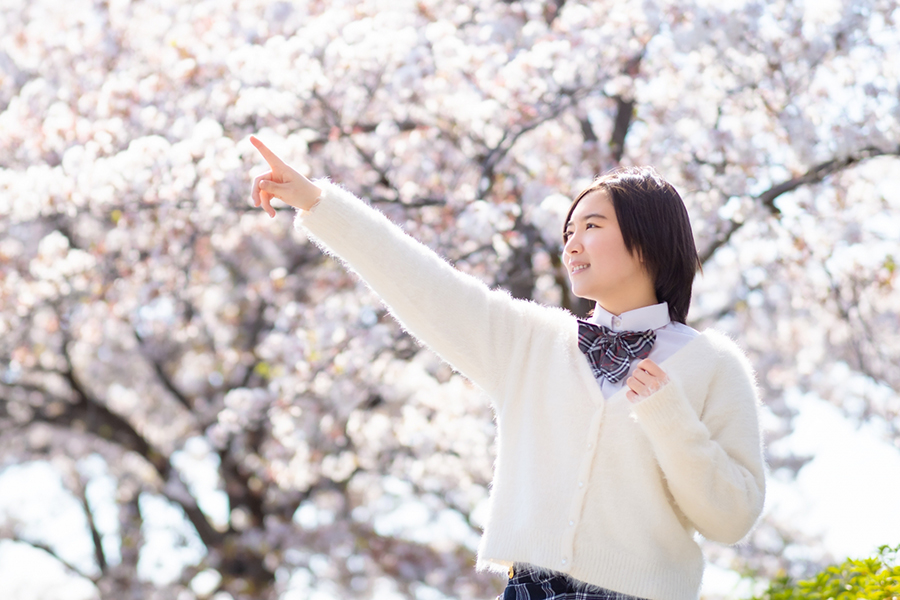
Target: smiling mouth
[579,269]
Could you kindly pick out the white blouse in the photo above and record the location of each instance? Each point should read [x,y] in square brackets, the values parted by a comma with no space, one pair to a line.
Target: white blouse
[670,335]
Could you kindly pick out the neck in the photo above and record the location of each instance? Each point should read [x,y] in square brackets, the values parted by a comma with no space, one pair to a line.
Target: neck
[618,306]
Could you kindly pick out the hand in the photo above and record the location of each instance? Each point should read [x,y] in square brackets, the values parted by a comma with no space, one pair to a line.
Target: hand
[647,378]
[281,182]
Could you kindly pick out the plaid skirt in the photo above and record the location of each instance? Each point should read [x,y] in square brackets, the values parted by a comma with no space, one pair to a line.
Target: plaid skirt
[529,583]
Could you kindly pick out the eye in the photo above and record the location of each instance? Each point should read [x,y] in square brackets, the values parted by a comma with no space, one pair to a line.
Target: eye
[567,235]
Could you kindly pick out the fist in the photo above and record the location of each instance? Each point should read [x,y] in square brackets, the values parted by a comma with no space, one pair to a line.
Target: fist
[647,378]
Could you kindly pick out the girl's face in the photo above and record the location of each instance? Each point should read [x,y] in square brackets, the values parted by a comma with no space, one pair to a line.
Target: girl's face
[600,267]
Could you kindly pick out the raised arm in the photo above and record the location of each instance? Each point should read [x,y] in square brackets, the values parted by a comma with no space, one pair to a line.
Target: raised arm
[478,331]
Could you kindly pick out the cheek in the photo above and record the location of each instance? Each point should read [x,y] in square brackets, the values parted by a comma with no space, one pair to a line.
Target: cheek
[615,246]
[607,249]
[614,254]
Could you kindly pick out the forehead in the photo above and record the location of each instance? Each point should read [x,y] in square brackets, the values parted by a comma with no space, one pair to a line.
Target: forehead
[596,202]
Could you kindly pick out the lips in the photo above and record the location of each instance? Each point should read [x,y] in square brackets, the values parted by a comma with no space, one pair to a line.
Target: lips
[578,268]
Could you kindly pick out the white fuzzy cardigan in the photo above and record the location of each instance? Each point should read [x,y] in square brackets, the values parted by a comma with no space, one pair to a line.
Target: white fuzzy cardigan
[607,491]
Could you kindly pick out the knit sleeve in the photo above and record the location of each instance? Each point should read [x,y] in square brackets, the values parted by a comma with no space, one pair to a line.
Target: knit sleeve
[709,448]
[470,326]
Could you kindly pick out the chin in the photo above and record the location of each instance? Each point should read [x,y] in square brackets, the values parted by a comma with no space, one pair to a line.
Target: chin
[582,294]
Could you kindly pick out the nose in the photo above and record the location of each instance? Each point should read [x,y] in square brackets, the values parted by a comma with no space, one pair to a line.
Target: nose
[572,245]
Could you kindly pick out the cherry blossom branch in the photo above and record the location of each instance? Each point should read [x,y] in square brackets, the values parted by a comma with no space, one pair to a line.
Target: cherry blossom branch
[49,550]
[80,492]
[860,333]
[495,154]
[86,411]
[814,175]
[237,479]
[254,333]
[552,10]
[624,116]
[161,374]
[130,522]
[625,109]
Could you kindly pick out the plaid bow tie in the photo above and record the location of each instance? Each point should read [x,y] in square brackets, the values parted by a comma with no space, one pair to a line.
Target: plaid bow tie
[610,353]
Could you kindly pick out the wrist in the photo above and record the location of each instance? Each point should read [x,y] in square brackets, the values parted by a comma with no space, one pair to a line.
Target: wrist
[316,195]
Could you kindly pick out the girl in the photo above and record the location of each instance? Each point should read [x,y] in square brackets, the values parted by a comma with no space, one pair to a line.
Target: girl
[620,437]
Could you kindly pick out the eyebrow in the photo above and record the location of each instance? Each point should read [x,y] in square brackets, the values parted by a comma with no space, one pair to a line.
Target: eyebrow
[589,216]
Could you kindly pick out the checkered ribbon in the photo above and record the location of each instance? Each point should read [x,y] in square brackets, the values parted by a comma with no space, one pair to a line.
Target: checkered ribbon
[609,352]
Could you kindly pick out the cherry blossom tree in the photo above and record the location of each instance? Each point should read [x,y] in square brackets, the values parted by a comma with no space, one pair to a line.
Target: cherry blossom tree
[159,333]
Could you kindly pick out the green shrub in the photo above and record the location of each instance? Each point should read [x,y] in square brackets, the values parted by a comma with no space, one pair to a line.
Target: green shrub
[876,578]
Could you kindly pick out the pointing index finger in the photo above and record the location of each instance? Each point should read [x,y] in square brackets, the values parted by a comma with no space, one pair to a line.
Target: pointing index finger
[267,154]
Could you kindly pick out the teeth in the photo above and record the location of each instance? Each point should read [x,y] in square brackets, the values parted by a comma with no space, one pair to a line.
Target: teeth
[579,268]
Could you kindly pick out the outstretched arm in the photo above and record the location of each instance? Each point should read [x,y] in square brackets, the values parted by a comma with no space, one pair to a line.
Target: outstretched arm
[480,332]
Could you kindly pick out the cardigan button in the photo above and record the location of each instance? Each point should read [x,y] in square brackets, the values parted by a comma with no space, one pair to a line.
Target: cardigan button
[581,484]
[564,561]
[571,523]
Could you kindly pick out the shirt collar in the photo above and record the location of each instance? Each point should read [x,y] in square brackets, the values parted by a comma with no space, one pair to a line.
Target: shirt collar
[639,319]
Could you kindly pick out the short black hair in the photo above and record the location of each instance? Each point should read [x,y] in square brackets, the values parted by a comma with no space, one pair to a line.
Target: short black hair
[655,226]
